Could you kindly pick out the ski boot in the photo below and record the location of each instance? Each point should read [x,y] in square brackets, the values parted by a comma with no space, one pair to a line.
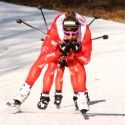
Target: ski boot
[14,103]
[83,104]
[21,96]
[75,102]
[87,96]
[58,99]
[44,101]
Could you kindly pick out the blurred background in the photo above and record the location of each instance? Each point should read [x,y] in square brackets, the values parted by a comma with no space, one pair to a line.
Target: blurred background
[108,9]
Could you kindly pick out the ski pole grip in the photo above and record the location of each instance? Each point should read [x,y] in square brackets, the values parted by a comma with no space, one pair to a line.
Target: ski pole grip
[39,7]
[19,21]
[105,37]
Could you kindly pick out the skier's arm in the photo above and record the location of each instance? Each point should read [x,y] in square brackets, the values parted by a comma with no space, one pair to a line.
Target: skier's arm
[52,57]
[50,48]
[84,55]
[63,49]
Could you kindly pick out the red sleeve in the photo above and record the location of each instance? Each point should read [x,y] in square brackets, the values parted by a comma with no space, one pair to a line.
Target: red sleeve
[50,45]
[51,39]
[85,55]
[52,57]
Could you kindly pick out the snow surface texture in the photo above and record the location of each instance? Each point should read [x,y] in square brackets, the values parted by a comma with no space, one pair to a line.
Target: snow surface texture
[19,48]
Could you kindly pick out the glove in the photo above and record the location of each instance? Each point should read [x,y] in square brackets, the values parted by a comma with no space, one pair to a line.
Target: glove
[64,48]
[62,63]
[75,46]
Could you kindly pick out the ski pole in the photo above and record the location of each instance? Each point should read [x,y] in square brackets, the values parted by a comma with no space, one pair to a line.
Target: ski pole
[40,8]
[96,17]
[104,37]
[21,21]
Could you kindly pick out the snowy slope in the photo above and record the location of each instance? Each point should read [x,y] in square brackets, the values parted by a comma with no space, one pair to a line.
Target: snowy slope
[20,46]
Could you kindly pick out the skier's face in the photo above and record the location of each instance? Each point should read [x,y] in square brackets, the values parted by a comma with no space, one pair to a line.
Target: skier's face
[71,35]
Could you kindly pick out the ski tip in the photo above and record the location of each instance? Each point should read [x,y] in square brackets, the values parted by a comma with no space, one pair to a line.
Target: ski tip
[17,112]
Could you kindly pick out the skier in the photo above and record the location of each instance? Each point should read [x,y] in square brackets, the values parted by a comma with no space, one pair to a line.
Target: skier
[75,45]
[48,54]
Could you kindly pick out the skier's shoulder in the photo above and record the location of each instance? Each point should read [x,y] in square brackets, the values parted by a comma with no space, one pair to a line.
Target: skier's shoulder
[81,19]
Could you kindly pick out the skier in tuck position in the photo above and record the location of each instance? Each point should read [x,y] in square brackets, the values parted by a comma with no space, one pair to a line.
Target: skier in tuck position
[75,46]
[74,43]
[67,43]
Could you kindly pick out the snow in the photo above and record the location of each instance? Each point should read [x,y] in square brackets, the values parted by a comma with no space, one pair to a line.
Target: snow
[19,48]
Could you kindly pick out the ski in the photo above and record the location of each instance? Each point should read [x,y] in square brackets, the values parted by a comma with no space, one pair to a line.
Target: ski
[17,112]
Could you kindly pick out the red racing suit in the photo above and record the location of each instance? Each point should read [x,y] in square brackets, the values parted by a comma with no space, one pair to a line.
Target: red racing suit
[50,54]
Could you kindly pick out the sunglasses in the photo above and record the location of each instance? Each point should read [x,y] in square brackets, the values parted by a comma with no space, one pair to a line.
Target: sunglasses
[73,33]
